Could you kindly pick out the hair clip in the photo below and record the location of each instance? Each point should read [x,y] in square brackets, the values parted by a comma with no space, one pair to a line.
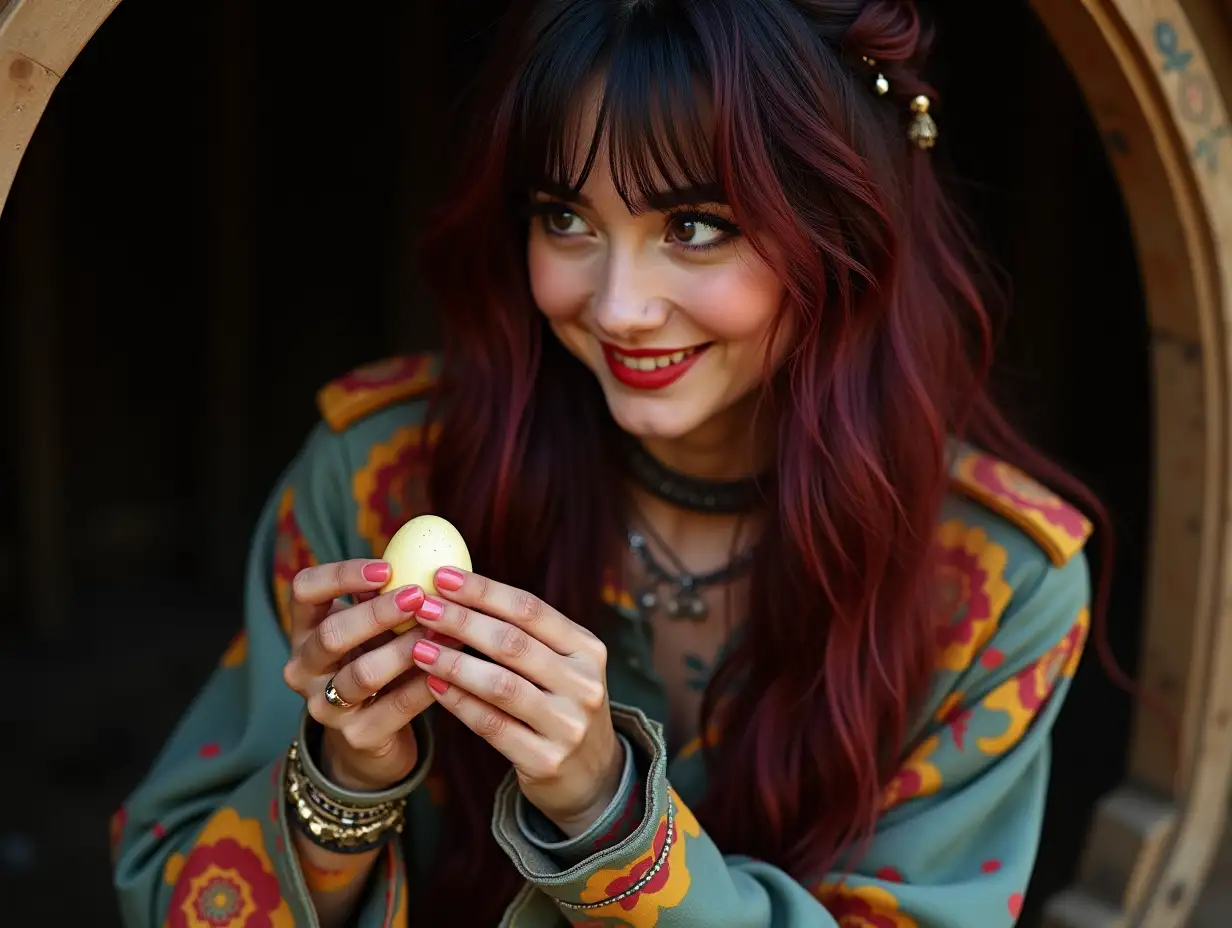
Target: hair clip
[882,85]
[923,129]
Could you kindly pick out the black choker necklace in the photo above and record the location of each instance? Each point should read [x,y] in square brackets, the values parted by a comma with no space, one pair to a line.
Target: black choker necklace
[726,497]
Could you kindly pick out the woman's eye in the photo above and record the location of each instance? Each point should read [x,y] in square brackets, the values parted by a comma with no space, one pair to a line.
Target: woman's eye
[563,222]
[695,233]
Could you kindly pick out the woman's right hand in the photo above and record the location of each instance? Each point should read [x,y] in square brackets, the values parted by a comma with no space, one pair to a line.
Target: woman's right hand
[369,746]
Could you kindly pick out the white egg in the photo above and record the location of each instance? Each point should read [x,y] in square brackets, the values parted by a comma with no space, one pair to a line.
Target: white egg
[418,550]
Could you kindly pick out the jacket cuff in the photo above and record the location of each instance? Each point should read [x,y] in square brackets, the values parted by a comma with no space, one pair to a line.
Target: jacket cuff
[616,875]
[616,822]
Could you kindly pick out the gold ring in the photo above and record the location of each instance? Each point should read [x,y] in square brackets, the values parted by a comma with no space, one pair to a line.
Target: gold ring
[332,697]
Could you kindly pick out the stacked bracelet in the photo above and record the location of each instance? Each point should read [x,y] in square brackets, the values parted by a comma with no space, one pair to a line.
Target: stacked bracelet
[341,820]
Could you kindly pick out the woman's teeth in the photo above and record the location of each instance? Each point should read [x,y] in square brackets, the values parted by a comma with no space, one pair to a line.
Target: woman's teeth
[652,362]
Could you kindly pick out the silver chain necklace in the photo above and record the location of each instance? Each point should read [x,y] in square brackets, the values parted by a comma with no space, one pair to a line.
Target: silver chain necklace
[683,600]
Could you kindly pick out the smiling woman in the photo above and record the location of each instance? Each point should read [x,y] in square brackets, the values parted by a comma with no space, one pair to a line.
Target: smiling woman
[740,272]
[647,303]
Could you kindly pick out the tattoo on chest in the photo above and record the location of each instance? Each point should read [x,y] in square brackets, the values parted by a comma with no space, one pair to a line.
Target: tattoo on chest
[696,673]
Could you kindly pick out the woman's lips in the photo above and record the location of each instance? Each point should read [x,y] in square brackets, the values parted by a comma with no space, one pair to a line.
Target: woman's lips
[650,368]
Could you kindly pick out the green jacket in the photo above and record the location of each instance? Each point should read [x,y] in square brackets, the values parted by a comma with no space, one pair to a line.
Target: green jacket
[204,840]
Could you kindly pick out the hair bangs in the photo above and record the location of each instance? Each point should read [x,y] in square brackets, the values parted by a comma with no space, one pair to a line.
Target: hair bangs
[636,89]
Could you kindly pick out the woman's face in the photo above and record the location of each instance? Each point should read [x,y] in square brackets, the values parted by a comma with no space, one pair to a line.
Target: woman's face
[671,308]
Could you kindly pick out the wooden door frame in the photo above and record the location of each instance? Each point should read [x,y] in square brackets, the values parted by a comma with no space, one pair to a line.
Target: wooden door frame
[1150,86]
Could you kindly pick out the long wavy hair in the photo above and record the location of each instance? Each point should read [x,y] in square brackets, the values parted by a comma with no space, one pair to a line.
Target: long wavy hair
[771,100]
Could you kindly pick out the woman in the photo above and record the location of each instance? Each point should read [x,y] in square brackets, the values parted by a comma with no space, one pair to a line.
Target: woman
[707,418]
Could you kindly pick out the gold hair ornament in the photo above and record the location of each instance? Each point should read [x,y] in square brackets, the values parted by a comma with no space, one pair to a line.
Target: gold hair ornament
[882,85]
[923,128]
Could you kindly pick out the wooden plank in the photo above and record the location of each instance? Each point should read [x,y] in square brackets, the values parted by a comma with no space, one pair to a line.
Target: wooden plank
[1144,72]
[39,39]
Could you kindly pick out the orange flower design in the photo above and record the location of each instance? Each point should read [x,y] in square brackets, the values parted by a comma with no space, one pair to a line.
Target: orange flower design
[917,777]
[372,386]
[1024,694]
[665,891]
[863,907]
[389,488]
[291,555]
[237,651]
[227,879]
[971,577]
[1054,523]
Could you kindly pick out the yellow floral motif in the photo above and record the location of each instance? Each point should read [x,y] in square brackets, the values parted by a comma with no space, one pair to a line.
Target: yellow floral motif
[389,489]
[367,389]
[665,891]
[863,906]
[226,880]
[974,593]
[916,778]
[1025,693]
[1055,525]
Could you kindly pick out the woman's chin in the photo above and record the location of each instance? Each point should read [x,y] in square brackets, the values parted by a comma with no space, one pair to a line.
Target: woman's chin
[653,419]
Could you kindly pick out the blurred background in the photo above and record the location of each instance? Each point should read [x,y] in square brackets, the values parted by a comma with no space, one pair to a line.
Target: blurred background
[217,214]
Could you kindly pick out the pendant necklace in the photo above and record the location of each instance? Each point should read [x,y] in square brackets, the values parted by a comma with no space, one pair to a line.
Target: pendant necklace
[683,601]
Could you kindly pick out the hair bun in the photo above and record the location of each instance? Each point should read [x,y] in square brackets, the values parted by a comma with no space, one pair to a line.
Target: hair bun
[888,31]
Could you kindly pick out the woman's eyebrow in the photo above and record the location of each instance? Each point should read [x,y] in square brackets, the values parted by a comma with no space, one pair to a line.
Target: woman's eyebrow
[562,192]
[686,196]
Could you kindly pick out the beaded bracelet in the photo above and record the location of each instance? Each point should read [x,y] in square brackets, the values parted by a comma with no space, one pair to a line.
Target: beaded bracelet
[343,829]
[646,877]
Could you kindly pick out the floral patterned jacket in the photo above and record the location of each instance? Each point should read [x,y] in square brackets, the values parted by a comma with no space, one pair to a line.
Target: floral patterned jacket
[204,840]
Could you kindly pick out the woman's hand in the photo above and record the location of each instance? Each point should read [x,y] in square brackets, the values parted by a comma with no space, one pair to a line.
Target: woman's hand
[370,745]
[543,704]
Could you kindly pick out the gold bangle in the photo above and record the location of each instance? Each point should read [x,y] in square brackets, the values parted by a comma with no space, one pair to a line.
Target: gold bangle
[341,828]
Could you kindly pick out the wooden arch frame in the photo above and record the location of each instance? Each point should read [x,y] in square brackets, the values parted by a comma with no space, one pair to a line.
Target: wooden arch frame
[1155,91]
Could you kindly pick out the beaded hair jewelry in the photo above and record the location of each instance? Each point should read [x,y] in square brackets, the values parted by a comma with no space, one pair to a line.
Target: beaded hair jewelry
[923,128]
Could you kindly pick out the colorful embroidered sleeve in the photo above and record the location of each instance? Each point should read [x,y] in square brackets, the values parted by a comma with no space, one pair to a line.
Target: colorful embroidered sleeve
[958,836]
[203,842]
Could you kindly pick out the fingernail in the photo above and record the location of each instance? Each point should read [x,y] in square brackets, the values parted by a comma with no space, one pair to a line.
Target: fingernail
[431,609]
[448,579]
[376,573]
[437,685]
[425,652]
[408,600]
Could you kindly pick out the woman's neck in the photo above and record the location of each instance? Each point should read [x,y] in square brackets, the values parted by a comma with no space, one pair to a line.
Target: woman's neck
[727,447]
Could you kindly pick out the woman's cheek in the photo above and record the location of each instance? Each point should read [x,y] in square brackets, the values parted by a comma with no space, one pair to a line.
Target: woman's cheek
[558,286]
[737,306]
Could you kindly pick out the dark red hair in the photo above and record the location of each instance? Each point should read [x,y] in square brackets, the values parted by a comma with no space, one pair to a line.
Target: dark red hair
[771,100]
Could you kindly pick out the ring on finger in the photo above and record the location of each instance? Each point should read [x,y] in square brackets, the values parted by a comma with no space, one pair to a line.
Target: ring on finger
[333,697]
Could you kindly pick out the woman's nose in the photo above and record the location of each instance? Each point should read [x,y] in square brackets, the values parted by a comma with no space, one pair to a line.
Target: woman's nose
[629,304]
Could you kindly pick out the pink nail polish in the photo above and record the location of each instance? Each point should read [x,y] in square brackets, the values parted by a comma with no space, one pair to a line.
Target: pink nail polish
[376,573]
[449,579]
[408,600]
[425,652]
[437,685]
[432,609]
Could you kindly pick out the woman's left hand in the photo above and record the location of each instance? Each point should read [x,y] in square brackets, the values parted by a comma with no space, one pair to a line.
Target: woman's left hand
[543,704]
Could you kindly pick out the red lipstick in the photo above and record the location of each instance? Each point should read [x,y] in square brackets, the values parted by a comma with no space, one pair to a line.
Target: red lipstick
[669,366]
